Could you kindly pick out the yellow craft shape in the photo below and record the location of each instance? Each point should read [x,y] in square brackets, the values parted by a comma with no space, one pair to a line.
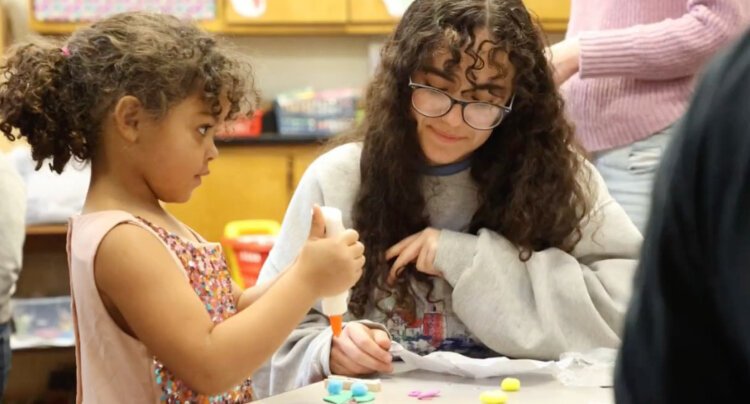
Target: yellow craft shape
[493,397]
[510,384]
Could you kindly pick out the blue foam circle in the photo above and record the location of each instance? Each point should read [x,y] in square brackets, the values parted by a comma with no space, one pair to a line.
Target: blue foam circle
[359,389]
[335,387]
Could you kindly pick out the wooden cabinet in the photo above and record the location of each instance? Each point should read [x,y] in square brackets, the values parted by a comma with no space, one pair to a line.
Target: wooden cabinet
[370,12]
[371,16]
[292,12]
[330,17]
[302,159]
[44,375]
[246,182]
[45,263]
[283,17]
[553,14]
[37,372]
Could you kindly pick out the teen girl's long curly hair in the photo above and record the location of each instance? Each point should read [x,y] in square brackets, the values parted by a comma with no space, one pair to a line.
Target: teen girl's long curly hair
[528,171]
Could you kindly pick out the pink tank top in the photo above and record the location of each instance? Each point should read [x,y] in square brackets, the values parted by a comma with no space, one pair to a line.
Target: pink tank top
[112,366]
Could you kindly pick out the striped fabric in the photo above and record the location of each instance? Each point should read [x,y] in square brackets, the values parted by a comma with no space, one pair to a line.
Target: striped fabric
[638,63]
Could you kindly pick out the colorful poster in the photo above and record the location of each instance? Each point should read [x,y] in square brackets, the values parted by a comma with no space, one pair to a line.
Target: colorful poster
[91,10]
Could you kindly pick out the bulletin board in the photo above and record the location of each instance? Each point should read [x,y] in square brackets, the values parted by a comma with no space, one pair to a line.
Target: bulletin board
[91,10]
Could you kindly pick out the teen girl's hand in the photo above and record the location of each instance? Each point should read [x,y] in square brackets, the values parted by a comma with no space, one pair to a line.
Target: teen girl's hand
[330,265]
[419,248]
[360,350]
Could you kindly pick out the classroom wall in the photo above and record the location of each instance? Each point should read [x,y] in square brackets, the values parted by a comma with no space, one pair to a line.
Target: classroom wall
[287,63]
[282,63]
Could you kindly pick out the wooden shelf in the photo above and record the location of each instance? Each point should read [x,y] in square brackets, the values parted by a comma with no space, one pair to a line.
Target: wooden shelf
[332,17]
[289,12]
[39,372]
[273,139]
[34,369]
[44,348]
[47,229]
[223,28]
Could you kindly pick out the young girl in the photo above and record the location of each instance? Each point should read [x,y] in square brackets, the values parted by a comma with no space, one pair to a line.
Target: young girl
[486,231]
[156,315]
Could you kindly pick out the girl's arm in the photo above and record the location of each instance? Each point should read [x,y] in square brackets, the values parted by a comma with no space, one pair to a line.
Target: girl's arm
[149,290]
[245,298]
[554,302]
[667,49]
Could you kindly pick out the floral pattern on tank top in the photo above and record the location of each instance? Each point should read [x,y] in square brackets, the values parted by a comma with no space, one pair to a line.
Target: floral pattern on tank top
[207,272]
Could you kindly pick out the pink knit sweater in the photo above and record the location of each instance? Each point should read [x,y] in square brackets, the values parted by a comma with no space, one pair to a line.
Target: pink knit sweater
[638,62]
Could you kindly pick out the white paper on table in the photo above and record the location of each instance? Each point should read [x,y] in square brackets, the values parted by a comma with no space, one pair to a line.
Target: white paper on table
[575,369]
[594,368]
[460,365]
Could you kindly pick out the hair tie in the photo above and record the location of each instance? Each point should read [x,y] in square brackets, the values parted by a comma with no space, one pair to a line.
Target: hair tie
[65,51]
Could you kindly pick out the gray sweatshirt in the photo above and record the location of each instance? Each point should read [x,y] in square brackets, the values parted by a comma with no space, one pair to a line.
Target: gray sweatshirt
[12,232]
[491,300]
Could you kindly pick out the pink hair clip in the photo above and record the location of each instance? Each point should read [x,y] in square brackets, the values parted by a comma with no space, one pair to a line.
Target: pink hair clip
[65,51]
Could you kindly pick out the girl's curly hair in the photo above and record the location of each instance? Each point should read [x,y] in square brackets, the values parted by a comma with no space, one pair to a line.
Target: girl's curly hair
[528,171]
[57,95]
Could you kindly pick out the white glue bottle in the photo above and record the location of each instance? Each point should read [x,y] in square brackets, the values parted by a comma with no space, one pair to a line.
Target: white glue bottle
[334,306]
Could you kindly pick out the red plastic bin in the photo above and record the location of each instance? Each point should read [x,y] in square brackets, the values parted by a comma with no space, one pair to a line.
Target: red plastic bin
[251,251]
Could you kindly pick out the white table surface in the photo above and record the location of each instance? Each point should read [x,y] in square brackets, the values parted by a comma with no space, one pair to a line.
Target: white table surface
[535,389]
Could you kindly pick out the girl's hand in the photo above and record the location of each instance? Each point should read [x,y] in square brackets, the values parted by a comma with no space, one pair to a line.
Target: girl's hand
[420,247]
[329,265]
[360,350]
[564,57]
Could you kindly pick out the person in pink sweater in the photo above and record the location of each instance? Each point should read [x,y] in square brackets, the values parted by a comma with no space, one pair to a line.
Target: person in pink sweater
[627,70]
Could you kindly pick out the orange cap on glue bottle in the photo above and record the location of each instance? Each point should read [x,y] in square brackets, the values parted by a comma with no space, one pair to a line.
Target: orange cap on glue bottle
[334,306]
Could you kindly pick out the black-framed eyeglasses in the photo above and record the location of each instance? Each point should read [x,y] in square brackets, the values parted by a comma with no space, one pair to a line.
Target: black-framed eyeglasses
[434,103]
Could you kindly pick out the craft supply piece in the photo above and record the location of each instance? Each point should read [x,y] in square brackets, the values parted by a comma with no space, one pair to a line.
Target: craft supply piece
[358,389]
[334,306]
[424,395]
[335,387]
[366,398]
[429,394]
[493,397]
[373,385]
[343,398]
[510,384]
